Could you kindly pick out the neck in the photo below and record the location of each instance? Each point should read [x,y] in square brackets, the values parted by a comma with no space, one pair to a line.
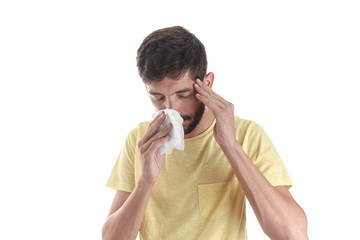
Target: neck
[205,122]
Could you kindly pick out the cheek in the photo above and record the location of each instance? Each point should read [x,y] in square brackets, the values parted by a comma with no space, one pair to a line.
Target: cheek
[189,105]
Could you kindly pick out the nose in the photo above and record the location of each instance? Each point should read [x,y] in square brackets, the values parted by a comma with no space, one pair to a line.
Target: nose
[172,103]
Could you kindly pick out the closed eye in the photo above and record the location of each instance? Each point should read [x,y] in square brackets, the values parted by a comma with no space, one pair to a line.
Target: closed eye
[185,93]
[184,96]
[160,98]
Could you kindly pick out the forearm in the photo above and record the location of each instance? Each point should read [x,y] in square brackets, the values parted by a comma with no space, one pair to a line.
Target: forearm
[279,216]
[126,221]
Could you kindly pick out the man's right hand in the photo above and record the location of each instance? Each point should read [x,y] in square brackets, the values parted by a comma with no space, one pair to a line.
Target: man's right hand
[128,209]
[150,160]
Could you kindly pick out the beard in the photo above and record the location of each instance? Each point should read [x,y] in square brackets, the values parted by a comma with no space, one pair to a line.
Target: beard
[194,120]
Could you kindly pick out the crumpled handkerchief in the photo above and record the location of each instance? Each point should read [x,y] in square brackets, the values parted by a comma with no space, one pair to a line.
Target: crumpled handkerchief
[176,133]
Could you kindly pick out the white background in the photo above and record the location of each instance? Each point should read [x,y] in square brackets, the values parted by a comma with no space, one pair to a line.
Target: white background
[70,93]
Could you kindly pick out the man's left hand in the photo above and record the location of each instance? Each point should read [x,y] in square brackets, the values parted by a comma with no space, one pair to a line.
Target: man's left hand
[224,130]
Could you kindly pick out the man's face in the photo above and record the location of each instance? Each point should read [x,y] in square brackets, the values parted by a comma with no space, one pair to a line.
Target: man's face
[180,96]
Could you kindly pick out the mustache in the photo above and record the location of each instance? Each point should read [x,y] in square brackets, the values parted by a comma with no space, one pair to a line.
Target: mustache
[186,117]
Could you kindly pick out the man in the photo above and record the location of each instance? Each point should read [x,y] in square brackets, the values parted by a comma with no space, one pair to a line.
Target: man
[198,193]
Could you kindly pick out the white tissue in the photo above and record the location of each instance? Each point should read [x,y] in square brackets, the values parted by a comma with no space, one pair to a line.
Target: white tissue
[176,133]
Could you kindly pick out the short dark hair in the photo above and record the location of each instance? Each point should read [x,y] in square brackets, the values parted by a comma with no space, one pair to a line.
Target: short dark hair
[171,52]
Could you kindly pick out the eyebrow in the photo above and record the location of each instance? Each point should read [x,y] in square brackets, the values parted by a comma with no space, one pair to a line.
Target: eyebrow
[180,91]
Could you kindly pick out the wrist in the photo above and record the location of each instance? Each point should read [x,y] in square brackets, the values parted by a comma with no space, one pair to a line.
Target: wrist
[146,183]
[233,151]
[229,146]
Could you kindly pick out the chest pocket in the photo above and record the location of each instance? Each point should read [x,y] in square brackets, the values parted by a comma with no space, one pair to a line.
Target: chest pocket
[214,199]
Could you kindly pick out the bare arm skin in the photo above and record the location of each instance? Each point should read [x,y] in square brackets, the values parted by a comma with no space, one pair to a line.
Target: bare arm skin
[279,215]
[128,209]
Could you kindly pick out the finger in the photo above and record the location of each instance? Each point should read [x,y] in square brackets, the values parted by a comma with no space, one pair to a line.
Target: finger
[158,117]
[207,91]
[157,144]
[210,104]
[153,128]
[210,97]
[165,131]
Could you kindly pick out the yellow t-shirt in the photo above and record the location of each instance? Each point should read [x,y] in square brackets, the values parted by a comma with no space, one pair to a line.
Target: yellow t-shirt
[197,195]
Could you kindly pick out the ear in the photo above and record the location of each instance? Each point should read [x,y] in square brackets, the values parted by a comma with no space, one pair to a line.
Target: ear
[209,79]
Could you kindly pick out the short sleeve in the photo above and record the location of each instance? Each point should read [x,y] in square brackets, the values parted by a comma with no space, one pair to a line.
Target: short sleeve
[122,176]
[263,154]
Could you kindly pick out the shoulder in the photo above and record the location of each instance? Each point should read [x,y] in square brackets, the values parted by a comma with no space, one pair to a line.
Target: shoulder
[247,130]
[244,125]
[241,122]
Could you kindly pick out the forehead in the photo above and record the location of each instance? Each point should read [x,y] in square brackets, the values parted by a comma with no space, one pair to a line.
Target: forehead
[170,86]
